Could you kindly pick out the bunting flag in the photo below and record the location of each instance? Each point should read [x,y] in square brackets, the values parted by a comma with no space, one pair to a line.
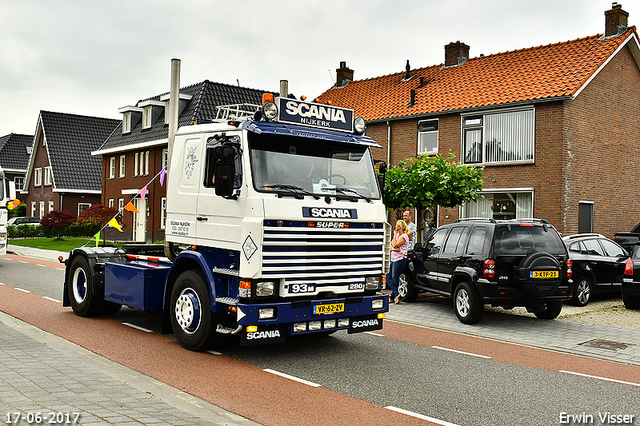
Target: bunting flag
[114,224]
[97,237]
[163,173]
[143,193]
[130,207]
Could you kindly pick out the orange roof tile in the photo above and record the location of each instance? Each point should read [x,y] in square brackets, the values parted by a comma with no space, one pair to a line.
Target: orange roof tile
[537,73]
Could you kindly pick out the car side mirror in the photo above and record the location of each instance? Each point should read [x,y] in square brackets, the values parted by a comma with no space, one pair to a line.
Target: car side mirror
[417,247]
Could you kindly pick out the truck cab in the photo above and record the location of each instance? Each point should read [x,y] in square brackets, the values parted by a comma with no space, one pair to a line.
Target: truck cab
[275,227]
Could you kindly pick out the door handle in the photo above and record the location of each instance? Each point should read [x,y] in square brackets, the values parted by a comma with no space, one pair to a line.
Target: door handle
[202,218]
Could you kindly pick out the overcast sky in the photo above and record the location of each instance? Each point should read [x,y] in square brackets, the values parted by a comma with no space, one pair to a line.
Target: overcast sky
[92,57]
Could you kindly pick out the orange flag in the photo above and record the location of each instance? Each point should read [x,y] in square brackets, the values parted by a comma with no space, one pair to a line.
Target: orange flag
[130,207]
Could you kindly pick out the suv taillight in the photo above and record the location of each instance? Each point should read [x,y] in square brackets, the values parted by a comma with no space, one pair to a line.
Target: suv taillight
[569,268]
[489,269]
[628,267]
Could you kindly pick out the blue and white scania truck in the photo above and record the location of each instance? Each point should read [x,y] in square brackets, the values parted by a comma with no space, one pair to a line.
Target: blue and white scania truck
[275,227]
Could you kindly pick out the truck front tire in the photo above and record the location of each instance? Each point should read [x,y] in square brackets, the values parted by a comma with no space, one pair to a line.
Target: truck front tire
[191,316]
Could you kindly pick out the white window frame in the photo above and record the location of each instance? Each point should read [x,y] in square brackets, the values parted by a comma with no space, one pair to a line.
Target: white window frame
[33,209]
[120,204]
[126,122]
[136,163]
[50,206]
[484,207]
[48,176]
[163,212]
[82,207]
[517,131]
[112,167]
[146,163]
[37,177]
[146,117]
[41,209]
[123,164]
[111,203]
[430,128]
[165,158]
[19,183]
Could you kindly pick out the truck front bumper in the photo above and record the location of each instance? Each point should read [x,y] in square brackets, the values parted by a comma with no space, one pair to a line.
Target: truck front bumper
[272,322]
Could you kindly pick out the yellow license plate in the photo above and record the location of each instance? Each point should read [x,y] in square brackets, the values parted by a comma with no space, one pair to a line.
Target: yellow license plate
[328,309]
[544,274]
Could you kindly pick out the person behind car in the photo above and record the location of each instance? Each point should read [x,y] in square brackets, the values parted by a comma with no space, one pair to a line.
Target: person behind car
[411,228]
[399,248]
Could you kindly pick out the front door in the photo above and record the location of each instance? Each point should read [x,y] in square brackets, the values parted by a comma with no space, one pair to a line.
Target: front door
[140,221]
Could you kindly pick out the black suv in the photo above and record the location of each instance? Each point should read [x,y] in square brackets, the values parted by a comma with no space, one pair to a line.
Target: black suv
[507,263]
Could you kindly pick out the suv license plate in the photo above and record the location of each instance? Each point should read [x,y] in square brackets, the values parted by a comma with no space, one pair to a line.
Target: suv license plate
[544,274]
[328,309]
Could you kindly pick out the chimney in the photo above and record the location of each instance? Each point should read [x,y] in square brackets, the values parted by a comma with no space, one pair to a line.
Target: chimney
[615,20]
[455,54]
[343,75]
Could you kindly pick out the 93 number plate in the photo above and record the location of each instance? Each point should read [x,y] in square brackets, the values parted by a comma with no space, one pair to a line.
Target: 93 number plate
[301,288]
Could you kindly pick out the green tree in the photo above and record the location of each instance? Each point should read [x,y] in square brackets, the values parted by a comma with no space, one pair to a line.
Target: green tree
[98,213]
[431,181]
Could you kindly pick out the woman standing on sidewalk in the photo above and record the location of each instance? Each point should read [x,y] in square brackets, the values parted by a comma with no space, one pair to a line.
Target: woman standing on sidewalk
[399,248]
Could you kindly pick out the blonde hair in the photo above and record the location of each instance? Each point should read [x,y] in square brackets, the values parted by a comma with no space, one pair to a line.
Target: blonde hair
[402,224]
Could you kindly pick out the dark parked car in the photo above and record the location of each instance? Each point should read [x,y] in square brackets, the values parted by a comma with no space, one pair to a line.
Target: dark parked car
[506,263]
[631,280]
[21,220]
[598,265]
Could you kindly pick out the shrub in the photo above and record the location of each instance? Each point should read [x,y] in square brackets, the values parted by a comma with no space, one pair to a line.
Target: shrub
[57,220]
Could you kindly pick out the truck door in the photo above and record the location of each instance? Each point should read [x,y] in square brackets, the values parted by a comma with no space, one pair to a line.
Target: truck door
[219,219]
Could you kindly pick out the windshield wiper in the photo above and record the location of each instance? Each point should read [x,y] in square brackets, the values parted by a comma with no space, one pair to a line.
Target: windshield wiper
[297,191]
[351,191]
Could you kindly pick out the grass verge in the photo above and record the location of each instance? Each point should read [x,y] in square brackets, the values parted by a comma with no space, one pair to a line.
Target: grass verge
[64,244]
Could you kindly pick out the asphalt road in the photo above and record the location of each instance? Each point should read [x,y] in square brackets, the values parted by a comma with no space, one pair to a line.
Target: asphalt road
[444,376]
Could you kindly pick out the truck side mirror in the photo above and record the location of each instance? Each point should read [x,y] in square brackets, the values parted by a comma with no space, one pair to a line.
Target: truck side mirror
[225,169]
[382,169]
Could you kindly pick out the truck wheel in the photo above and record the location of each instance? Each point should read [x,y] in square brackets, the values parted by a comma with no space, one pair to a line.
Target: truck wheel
[582,292]
[550,311]
[631,302]
[469,310]
[407,290]
[80,288]
[191,316]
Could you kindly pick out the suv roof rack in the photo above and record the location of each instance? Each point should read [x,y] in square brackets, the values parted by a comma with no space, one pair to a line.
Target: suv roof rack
[588,234]
[528,219]
[482,219]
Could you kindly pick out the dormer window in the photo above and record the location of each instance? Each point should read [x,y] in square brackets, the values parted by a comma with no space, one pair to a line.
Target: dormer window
[146,118]
[126,122]
[183,99]
[130,117]
[151,111]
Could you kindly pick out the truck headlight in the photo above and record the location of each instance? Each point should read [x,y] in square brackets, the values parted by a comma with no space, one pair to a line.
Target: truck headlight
[359,125]
[270,111]
[266,313]
[372,283]
[377,304]
[265,288]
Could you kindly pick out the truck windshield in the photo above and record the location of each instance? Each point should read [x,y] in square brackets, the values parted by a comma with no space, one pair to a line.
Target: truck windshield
[312,167]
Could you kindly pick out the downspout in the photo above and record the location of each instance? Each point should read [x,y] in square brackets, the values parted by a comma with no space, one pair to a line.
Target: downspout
[388,144]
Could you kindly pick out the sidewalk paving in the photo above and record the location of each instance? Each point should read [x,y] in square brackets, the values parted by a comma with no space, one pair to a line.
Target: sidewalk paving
[42,373]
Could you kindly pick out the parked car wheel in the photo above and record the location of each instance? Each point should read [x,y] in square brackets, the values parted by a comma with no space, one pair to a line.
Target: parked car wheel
[406,288]
[631,302]
[549,311]
[582,292]
[469,310]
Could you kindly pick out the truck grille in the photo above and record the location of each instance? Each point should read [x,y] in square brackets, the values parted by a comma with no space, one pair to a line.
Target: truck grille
[308,253]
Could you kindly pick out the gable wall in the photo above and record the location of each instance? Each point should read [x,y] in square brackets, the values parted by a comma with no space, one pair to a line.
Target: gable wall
[40,193]
[603,147]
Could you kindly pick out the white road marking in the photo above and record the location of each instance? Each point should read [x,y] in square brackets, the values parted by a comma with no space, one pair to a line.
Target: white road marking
[600,378]
[137,327]
[297,379]
[420,416]
[52,299]
[23,290]
[461,352]
[374,334]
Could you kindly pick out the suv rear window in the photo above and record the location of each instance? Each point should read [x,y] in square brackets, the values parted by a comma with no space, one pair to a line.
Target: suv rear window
[520,239]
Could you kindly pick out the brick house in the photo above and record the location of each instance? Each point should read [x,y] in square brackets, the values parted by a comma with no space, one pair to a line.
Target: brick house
[15,150]
[136,152]
[62,174]
[555,126]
